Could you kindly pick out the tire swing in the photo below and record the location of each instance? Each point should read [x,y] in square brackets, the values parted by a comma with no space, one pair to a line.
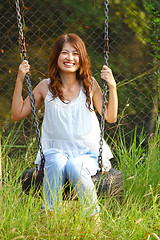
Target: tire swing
[107,183]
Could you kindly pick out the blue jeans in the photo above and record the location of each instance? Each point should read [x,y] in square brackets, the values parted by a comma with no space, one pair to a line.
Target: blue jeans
[78,170]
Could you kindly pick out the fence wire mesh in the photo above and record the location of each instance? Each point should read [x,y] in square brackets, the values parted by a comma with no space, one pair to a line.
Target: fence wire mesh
[133,57]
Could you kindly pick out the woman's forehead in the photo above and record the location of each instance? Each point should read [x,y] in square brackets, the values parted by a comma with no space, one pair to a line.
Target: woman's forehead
[68,46]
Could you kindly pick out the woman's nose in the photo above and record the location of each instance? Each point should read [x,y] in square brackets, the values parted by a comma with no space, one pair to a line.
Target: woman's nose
[70,56]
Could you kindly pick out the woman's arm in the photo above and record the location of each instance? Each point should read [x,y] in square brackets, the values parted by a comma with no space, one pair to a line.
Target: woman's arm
[112,104]
[21,108]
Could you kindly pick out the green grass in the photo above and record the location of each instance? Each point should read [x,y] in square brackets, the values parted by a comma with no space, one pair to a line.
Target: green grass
[135,216]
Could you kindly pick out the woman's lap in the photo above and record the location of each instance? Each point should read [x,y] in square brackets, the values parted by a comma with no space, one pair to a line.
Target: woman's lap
[58,160]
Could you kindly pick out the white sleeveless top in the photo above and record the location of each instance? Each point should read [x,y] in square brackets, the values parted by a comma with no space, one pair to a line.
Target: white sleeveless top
[71,128]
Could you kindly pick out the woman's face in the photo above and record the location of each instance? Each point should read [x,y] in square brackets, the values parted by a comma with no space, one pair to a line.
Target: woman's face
[68,60]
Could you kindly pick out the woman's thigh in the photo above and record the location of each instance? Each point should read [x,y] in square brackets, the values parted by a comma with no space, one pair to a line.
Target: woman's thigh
[85,164]
[56,160]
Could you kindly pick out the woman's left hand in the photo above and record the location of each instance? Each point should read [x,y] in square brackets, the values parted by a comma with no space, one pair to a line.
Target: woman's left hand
[106,74]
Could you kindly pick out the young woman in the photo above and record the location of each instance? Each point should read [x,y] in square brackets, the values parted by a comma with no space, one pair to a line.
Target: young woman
[70,129]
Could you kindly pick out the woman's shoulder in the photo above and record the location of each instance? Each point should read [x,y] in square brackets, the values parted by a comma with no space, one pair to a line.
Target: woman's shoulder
[95,86]
[45,82]
[43,87]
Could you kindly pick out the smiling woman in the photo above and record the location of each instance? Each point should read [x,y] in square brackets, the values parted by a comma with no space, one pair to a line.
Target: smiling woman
[70,128]
[69,55]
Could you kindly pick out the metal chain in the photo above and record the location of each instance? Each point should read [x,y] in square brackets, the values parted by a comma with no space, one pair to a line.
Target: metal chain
[27,78]
[106,56]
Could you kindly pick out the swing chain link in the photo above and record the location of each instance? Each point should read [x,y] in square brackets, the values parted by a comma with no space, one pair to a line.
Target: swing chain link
[27,78]
[106,57]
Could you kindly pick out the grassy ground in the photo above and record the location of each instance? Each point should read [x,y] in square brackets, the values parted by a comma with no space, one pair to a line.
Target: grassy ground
[135,216]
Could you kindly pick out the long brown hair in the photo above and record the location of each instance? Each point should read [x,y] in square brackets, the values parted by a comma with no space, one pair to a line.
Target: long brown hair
[83,74]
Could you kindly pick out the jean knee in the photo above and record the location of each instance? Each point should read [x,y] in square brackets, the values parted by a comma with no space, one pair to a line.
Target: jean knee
[55,160]
[73,171]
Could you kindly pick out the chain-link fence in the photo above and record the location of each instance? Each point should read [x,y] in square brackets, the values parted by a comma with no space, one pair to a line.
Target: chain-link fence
[133,57]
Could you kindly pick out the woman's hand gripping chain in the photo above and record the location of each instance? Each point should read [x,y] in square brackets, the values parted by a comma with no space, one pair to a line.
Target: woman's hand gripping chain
[106,74]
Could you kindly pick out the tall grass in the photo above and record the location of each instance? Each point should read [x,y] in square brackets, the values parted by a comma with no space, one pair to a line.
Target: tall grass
[135,216]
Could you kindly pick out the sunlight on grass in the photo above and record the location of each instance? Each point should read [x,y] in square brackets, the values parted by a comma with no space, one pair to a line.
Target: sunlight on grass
[136,215]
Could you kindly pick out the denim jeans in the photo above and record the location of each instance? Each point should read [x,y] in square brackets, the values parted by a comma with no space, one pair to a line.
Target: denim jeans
[78,170]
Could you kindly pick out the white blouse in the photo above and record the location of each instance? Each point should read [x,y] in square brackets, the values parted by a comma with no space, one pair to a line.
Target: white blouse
[71,128]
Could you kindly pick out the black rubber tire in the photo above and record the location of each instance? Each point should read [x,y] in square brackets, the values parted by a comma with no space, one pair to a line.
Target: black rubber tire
[109,183]
[32,177]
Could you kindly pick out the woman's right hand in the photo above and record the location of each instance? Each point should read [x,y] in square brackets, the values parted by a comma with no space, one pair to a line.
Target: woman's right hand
[24,68]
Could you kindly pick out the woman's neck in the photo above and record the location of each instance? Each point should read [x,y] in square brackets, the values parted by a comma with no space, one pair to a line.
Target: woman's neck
[68,79]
